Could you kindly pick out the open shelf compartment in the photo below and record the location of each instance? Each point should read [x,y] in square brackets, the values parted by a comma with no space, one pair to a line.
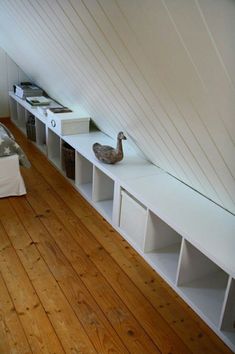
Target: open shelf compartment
[162,246]
[103,192]
[54,148]
[227,325]
[83,175]
[202,282]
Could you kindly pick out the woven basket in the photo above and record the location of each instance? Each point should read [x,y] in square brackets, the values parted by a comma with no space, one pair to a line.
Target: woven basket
[30,128]
[69,160]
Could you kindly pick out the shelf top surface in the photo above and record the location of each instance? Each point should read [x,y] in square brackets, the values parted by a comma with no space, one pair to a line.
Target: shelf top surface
[132,166]
[209,227]
[38,111]
[24,103]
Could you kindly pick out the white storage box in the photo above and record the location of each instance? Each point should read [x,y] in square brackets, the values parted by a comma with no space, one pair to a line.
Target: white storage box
[133,218]
[68,123]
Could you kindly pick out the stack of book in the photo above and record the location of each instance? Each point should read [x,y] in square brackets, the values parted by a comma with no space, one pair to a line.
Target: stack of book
[38,101]
[27,89]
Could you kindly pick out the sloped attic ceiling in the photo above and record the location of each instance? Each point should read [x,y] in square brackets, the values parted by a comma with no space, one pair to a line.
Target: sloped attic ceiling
[161,70]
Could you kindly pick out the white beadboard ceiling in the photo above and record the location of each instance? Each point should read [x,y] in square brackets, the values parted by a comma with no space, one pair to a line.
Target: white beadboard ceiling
[161,70]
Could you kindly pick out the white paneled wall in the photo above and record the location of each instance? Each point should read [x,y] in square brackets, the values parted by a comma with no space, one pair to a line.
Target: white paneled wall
[10,74]
[161,70]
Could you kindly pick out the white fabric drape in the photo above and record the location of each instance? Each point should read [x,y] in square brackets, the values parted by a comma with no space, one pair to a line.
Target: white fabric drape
[11,181]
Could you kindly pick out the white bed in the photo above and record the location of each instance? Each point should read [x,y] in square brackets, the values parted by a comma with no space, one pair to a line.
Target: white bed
[11,181]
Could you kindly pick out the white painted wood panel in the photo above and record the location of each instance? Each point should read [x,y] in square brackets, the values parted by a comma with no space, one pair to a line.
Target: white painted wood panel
[3,85]
[163,71]
[10,74]
[216,87]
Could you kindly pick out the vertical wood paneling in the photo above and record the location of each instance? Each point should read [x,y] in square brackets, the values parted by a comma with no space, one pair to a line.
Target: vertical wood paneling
[3,84]
[10,73]
[161,70]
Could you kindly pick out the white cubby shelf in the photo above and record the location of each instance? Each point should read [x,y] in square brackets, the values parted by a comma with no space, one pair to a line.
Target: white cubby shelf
[202,282]
[102,193]
[83,176]
[162,246]
[185,237]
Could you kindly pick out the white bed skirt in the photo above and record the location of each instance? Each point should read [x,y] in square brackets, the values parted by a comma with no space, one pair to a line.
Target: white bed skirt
[11,181]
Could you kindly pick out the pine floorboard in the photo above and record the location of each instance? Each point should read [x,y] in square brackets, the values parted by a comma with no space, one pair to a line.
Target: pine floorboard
[70,283]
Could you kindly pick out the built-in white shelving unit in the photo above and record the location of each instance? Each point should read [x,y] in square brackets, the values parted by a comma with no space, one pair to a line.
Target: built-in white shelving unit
[186,238]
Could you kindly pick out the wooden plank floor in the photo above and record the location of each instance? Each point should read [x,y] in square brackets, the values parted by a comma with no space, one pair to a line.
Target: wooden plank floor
[69,283]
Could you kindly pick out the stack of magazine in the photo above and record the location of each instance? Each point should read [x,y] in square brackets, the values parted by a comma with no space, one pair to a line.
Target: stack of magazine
[34,96]
[56,110]
[53,105]
[26,89]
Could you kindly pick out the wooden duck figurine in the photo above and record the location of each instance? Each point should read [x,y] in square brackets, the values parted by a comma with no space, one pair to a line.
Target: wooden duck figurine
[108,154]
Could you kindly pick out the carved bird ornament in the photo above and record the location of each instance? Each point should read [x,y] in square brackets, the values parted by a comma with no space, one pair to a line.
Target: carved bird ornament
[108,154]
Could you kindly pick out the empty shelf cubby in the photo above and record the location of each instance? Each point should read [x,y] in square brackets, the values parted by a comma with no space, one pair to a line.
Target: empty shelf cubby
[162,246]
[202,282]
[103,192]
[83,175]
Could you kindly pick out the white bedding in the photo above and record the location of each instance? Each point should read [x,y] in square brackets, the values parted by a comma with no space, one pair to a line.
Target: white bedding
[11,181]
